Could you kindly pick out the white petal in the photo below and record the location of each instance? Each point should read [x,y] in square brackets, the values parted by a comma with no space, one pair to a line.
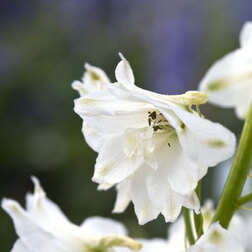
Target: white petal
[105,113]
[103,226]
[154,245]
[93,138]
[242,105]
[192,202]
[112,165]
[232,69]
[240,228]
[229,81]
[162,197]
[176,234]
[124,73]
[173,165]
[205,142]
[171,186]
[39,199]
[183,174]
[246,35]
[122,197]
[34,237]
[78,86]
[94,79]
[19,246]
[217,238]
[95,74]
[143,206]
[104,186]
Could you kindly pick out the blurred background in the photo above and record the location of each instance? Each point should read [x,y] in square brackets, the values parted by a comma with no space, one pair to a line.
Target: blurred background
[43,46]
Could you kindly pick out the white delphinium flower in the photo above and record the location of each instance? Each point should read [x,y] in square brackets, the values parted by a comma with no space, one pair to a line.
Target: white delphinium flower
[217,239]
[43,227]
[229,81]
[240,227]
[154,148]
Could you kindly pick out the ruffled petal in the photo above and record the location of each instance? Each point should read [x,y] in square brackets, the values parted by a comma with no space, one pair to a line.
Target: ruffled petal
[162,197]
[180,172]
[205,142]
[112,165]
[144,208]
[105,113]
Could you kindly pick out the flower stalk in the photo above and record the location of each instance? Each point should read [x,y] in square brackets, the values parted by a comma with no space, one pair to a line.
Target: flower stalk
[244,199]
[198,218]
[237,176]
[188,226]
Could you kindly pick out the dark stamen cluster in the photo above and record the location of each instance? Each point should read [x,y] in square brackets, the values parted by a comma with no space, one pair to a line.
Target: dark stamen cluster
[153,120]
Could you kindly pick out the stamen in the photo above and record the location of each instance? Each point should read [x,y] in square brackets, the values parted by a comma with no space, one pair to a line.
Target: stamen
[157,121]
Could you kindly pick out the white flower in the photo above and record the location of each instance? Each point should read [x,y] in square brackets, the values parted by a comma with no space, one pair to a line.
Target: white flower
[154,148]
[240,227]
[229,81]
[43,227]
[217,239]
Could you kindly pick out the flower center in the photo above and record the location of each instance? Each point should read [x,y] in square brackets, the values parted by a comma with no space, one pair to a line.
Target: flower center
[158,121]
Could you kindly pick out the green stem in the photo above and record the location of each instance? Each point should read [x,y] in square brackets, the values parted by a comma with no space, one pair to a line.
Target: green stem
[244,199]
[188,226]
[198,218]
[237,176]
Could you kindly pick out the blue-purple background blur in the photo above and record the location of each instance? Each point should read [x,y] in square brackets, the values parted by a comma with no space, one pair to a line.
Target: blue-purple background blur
[43,45]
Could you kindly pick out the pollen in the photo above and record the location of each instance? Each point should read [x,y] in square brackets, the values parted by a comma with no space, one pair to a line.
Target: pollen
[157,121]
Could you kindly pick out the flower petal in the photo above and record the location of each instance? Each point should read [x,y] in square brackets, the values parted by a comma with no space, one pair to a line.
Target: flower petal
[34,237]
[229,81]
[205,142]
[103,226]
[246,35]
[105,113]
[162,197]
[112,165]
[122,197]
[192,202]
[78,86]
[144,208]
[94,79]
[38,201]
[158,245]
[93,138]
[217,239]
[181,173]
[19,246]
[124,73]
